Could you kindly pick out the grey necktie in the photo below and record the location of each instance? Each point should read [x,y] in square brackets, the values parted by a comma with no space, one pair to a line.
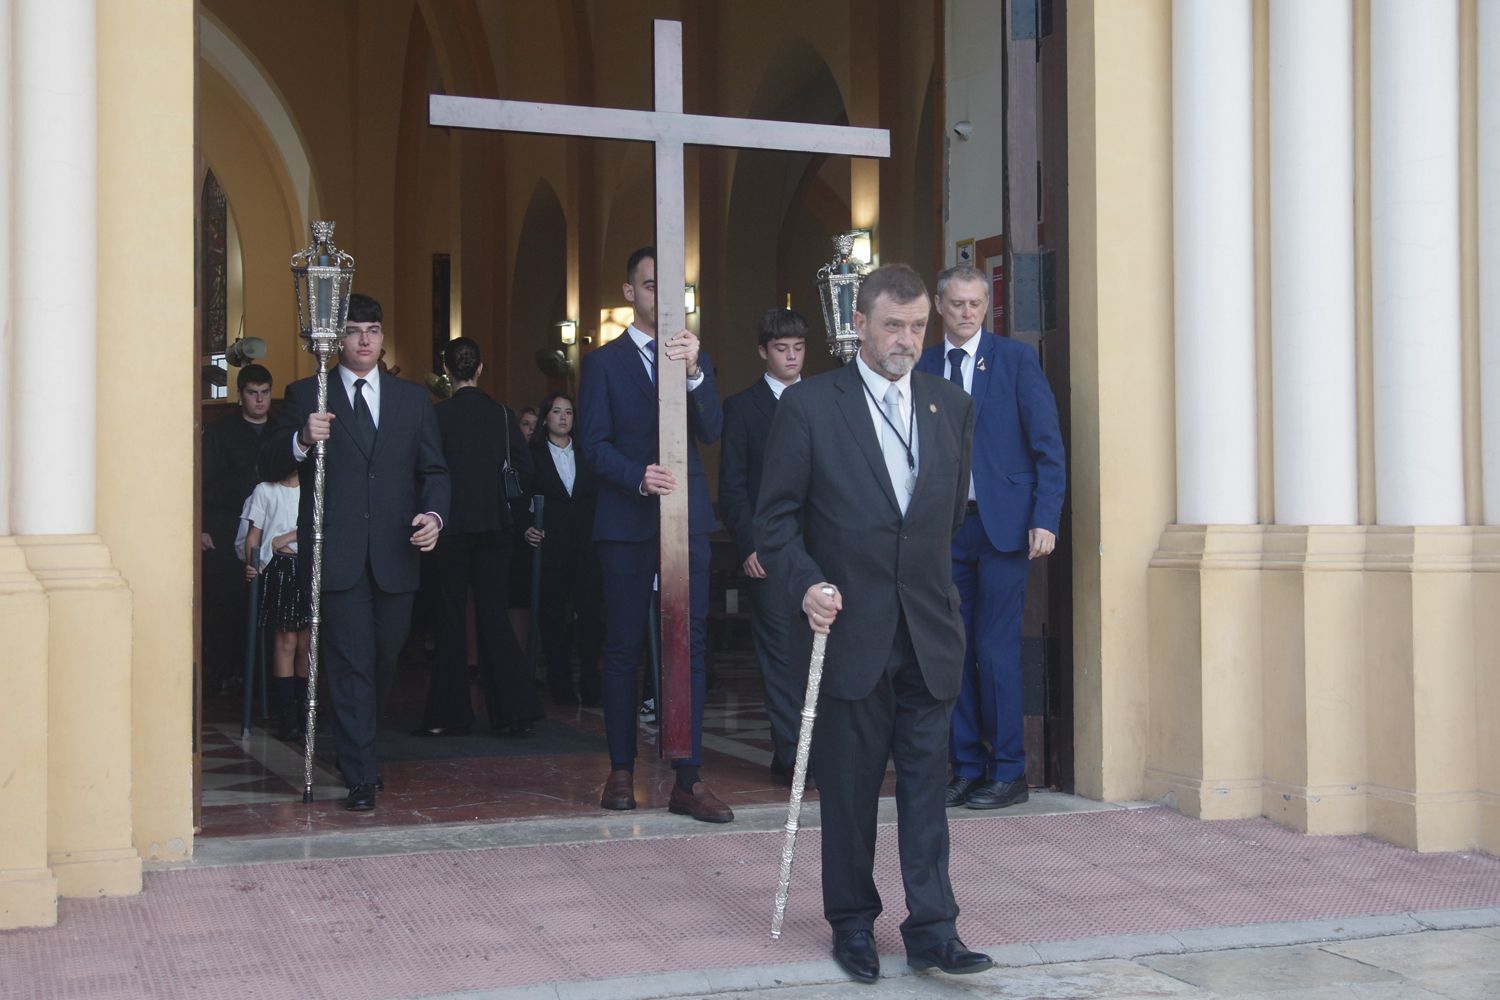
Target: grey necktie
[903,479]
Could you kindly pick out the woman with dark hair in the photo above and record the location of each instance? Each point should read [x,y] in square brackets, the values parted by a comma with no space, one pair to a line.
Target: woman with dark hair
[484,447]
[571,592]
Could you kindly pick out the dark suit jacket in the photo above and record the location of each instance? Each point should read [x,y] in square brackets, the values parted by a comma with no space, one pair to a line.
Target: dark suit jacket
[370,500]
[827,511]
[231,451]
[475,429]
[567,520]
[1019,470]
[617,431]
[742,454]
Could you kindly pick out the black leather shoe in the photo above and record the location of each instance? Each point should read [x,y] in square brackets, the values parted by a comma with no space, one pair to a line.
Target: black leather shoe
[951,957]
[998,794]
[361,798]
[856,955]
[959,790]
[379,784]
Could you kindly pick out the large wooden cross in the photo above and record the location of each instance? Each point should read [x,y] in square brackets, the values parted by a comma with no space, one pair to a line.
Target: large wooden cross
[670,130]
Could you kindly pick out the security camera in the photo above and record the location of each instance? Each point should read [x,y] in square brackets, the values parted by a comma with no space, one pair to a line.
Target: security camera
[963,129]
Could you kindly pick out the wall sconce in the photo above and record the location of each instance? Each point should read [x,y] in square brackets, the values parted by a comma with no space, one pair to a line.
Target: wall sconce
[567,330]
[690,299]
[863,251]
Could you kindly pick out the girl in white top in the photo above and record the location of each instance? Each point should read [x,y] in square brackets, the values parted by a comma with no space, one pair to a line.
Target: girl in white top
[269,521]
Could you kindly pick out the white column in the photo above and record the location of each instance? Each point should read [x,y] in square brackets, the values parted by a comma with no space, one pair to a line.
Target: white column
[53,247]
[1312,261]
[1414,255]
[1489,251]
[1214,242]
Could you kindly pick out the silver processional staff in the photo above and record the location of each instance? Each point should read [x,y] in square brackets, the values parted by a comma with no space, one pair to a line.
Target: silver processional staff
[799,773]
[322,276]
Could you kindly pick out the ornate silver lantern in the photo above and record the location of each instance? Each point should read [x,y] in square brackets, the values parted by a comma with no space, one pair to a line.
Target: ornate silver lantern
[838,290]
[322,276]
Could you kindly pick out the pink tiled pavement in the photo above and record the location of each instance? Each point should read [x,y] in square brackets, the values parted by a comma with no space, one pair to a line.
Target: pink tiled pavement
[436,923]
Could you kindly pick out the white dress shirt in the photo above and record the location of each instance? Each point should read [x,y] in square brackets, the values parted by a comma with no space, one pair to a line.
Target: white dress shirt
[778,386]
[563,460]
[646,347]
[877,385]
[969,347]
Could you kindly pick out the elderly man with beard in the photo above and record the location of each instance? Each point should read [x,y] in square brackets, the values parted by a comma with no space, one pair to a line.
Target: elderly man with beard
[868,485]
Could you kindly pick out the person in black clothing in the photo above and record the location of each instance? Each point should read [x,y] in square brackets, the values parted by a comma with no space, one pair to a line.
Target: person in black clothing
[231,450]
[572,589]
[483,445]
[742,456]
[386,493]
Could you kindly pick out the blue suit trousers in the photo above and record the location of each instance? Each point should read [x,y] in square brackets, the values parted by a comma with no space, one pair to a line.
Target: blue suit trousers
[628,568]
[985,740]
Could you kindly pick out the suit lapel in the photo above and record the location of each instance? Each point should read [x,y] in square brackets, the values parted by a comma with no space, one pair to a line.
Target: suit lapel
[630,357]
[765,400]
[929,455]
[343,413]
[389,403]
[856,411]
[982,365]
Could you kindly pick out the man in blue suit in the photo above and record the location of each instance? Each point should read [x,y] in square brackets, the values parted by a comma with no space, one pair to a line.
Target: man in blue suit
[617,431]
[1015,501]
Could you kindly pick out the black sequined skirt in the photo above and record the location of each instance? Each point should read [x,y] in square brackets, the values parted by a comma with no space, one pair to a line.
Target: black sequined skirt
[283,605]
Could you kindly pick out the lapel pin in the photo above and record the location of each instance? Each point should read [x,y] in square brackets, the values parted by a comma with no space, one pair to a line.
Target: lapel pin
[980,365]
[932,407]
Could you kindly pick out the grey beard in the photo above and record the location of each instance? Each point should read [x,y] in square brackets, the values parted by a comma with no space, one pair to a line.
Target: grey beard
[895,365]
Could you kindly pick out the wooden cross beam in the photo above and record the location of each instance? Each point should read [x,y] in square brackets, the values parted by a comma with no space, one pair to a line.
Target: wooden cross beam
[669,130]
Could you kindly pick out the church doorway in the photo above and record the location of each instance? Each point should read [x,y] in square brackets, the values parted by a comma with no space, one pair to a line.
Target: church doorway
[519,242]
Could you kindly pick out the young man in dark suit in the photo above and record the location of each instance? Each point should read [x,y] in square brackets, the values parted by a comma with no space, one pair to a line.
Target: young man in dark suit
[1014,503]
[481,440]
[231,453]
[858,506]
[742,454]
[386,493]
[617,421]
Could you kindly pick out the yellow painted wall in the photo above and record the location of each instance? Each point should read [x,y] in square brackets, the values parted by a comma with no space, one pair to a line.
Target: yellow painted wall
[147,400]
[1120,287]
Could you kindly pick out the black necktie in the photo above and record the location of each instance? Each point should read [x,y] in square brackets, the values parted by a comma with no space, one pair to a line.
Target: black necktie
[364,421]
[956,366]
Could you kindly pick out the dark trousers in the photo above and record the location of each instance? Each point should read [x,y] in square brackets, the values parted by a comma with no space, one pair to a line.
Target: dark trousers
[772,616]
[478,563]
[363,630]
[627,569]
[224,616]
[988,739]
[572,609]
[854,739]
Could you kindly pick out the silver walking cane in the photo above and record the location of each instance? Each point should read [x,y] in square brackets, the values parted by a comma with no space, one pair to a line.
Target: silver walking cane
[322,275]
[799,774]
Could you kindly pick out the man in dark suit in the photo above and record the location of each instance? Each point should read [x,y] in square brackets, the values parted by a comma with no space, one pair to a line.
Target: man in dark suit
[865,486]
[385,496]
[231,451]
[481,440]
[617,421]
[742,454]
[1014,503]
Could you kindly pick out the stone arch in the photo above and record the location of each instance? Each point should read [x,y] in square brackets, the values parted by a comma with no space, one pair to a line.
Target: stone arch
[783,208]
[540,299]
[229,57]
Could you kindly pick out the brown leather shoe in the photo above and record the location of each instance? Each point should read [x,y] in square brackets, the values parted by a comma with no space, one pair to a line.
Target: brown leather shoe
[702,805]
[619,790]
